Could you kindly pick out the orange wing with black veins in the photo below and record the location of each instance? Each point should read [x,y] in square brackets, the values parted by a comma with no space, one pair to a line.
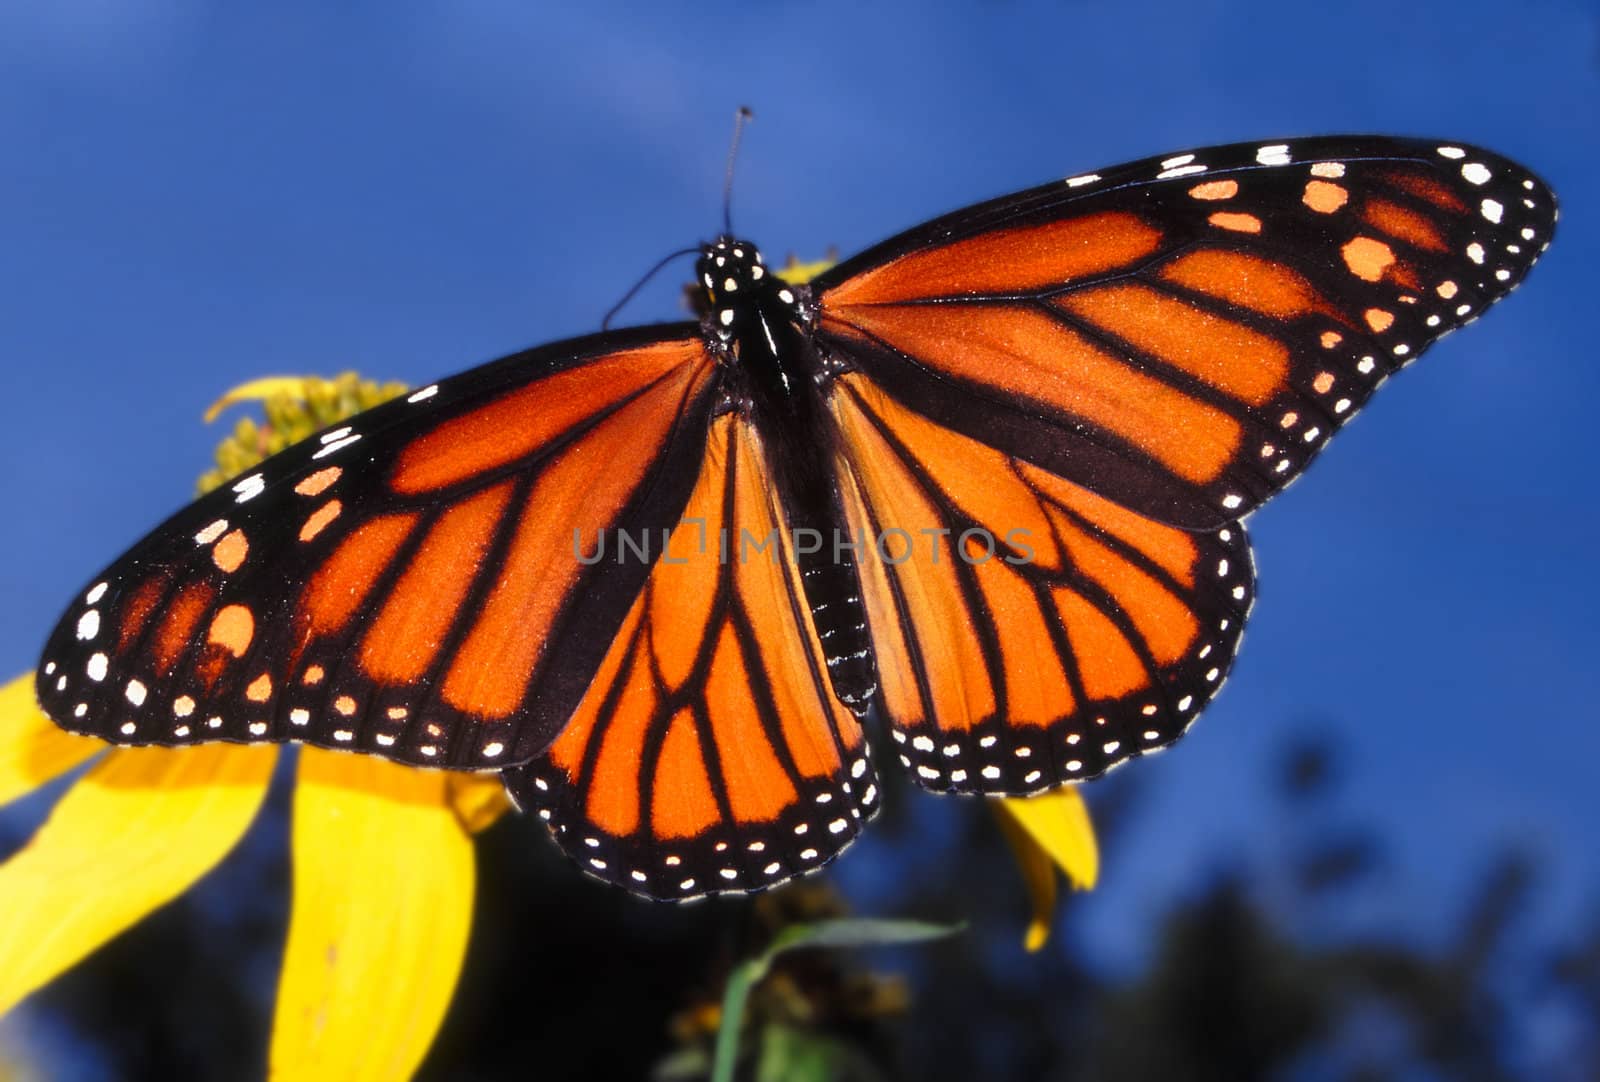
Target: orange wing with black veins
[1027,631]
[1184,335]
[710,753]
[408,583]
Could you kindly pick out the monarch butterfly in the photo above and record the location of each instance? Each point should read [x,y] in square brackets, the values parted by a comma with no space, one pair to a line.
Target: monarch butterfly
[986,477]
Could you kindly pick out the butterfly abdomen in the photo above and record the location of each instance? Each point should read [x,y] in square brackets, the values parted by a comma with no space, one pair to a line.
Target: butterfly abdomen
[824,551]
[828,575]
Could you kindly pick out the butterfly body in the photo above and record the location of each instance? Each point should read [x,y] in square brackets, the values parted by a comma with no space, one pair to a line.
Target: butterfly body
[781,381]
[1035,425]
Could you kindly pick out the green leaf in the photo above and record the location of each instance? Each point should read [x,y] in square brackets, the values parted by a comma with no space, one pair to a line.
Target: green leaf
[858,932]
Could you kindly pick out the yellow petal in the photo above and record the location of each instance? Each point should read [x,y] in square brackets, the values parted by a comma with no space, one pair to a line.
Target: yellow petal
[1038,877]
[33,749]
[797,273]
[258,390]
[479,800]
[131,835]
[1049,832]
[383,882]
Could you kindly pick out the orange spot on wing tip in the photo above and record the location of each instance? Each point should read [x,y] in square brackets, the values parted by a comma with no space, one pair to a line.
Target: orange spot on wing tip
[312,676]
[318,483]
[1323,197]
[232,628]
[345,705]
[1367,258]
[1323,383]
[319,519]
[1379,320]
[1448,289]
[1331,339]
[230,552]
[260,689]
[1239,223]
[1215,189]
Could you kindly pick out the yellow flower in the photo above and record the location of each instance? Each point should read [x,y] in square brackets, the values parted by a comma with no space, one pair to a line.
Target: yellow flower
[383,854]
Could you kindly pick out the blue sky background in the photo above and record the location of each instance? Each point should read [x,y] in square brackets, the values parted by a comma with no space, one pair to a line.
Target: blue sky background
[192,196]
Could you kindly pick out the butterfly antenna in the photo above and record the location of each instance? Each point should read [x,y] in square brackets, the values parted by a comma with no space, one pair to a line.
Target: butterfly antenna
[605,324]
[740,119]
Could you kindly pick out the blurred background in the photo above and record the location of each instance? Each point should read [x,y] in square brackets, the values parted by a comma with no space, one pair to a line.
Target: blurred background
[1374,858]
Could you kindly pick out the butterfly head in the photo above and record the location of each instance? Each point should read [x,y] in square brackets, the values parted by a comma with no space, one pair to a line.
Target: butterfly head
[729,268]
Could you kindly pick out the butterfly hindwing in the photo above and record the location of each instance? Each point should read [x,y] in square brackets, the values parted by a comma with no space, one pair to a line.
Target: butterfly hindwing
[710,753]
[1183,335]
[1028,632]
[405,583]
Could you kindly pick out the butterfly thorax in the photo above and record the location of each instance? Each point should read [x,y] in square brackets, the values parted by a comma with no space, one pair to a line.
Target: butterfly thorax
[755,325]
[773,373]
[747,309]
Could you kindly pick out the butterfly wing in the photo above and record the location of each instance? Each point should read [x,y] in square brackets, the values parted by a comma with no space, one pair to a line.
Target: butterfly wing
[1183,335]
[406,583]
[710,753]
[1094,380]
[1027,631]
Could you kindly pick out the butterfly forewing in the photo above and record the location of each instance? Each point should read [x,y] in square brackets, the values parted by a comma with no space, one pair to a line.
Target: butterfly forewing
[1183,335]
[405,583]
